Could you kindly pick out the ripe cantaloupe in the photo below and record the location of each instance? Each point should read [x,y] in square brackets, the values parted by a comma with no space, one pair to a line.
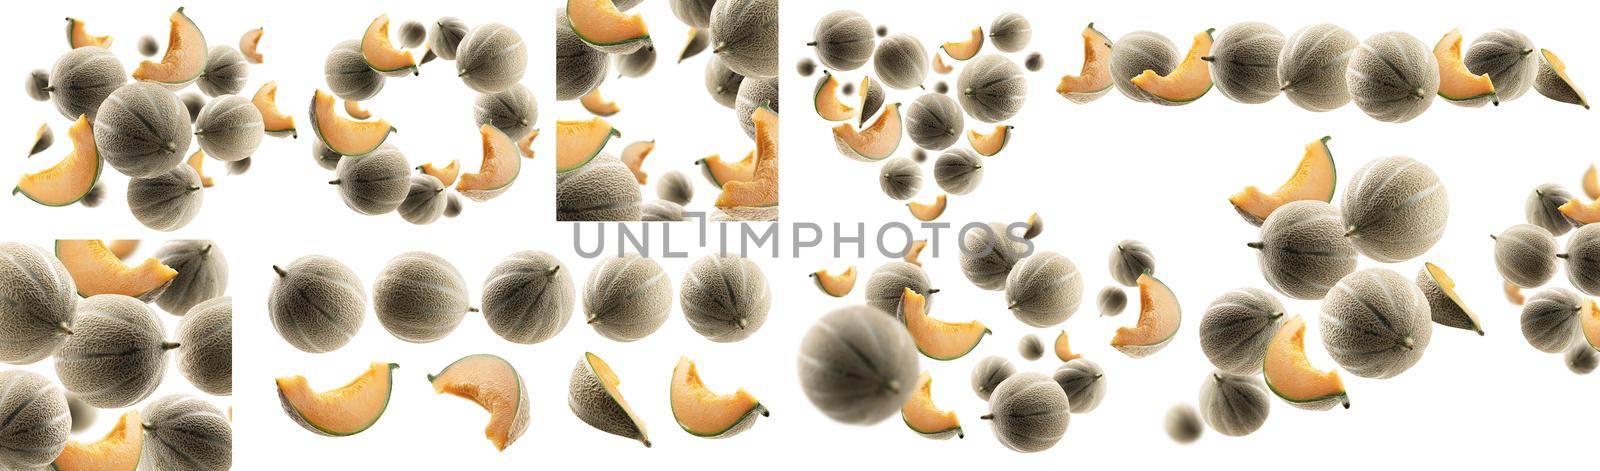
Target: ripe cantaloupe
[597,104]
[119,450]
[206,355]
[928,211]
[274,122]
[1130,259]
[1395,209]
[1159,317]
[579,68]
[1312,65]
[695,13]
[901,62]
[340,412]
[761,191]
[1010,32]
[744,34]
[900,178]
[381,55]
[1583,259]
[579,142]
[78,36]
[1303,251]
[446,174]
[1553,82]
[80,81]
[1581,359]
[184,60]
[637,63]
[593,396]
[699,40]
[375,183]
[69,180]
[858,365]
[168,201]
[875,142]
[1030,348]
[603,190]
[445,35]
[419,297]
[1444,304]
[345,136]
[719,172]
[825,100]
[202,274]
[1313,179]
[925,418]
[1237,328]
[1589,324]
[992,143]
[603,25]
[992,88]
[324,157]
[1550,318]
[348,75]
[1525,255]
[887,284]
[425,200]
[96,270]
[725,298]
[45,303]
[499,169]
[1063,348]
[491,58]
[1112,300]
[229,128]
[1094,78]
[843,40]
[225,73]
[1376,323]
[958,171]
[1457,84]
[1393,77]
[316,303]
[989,373]
[939,65]
[1507,56]
[1232,404]
[528,297]
[142,130]
[1084,382]
[627,298]
[117,353]
[835,285]
[988,253]
[934,121]
[491,382]
[1029,412]
[1579,212]
[706,414]
[633,156]
[38,422]
[249,45]
[915,251]
[675,187]
[871,99]
[1044,289]
[1187,82]
[513,111]
[966,48]
[1290,376]
[1543,208]
[935,338]
[1136,52]
[1244,62]
[183,432]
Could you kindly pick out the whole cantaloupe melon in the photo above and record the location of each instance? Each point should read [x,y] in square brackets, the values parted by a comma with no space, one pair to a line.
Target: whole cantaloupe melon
[933,121]
[419,297]
[1237,327]
[603,190]
[491,58]
[348,75]
[202,274]
[1508,57]
[1312,65]
[744,33]
[316,303]
[528,297]
[858,365]
[753,94]
[627,298]
[725,298]
[1234,405]
[1010,32]
[1136,52]
[444,36]
[958,171]
[1030,348]
[375,183]
[1303,251]
[675,187]
[1029,412]
[1044,289]
[229,128]
[695,13]
[168,200]
[1525,255]
[1084,382]
[37,424]
[142,130]
[1393,77]
[988,252]
[1583,259]
[579,68]
[513,111]
[1543,208]
[889,281]
[992,88]
[425,200]
[901,62]
[660,210]
[43,301]
[989,373]
[1395,208]
[117,353]
[843,39]
[1244,62]
[183,432]
[81,80]
[206,354]
[1375,323]
[721,82]
[1550,319]
[325,157]
[226,72]
[1129,259]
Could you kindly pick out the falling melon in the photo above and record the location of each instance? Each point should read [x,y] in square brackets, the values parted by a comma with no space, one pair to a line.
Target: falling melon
[720,172]
[938,339]
[1589,324]
[381,55]
[96,270]
[1581,212]
[1064,349]
[927,419]
[491,382]
[1159,317]
[605,27]
[342,135]
[525,145]
[69,180]
[1591,182]
[498,171]
[446,174]
[633,156]
[703,413]
[348,410]
[1289,373]
[185,58]
[835,285]
[939,65]
[274,122]
[928,211]
[597,104]
[965,49]
[762,190]
[197,161]
[78,36]
[1313,179]
[825,98]
[1094,79]
[915,251]
[874,143]
[578,142]
[249,42]
[1457,84]
[1186,83]
[992,143]
[119,450]
[593,396]
[354,109]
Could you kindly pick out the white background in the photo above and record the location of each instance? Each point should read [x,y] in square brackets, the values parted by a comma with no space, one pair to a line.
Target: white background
[1098,173]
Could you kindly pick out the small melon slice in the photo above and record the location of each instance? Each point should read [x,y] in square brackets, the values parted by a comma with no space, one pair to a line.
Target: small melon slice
[1187,82]
[1514,293]
[342,135]
[1313,179]
[597,104]
[610,413]
[874,143]
[197,161]
[1589,323]
[446,174]
[347,410]
[1591,182]
[965,49]
[578,142]
[835,285]
[1581,212]
[42,139]
[96,270]
[1063,348]
[916,251]
[761,190]
[249,44]
[719,172]
[123,248]
[1094,79]
[274,122]
[119,450]
[1458,316]
[1159,317]
[1289,373]
[929,211]
[939,65]
[633,156]
[871,93]
[601,24]
[938,339]
[185,58]
[924,417]
[992,143]
[78,36]
[491,382]
[525,145]
[1560,86]
[354,109]
[1456,82]
[1035,226]
[825,99]
[498,171]
[703,413]
[380,54]
[73,177]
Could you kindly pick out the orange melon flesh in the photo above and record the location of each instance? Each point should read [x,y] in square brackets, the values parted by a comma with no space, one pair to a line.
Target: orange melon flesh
[119,450]
[1456,82]
[499,168]
[348,410]
[874,143]
[96,270]
[1589,323]
[1095,75]
[597,104]
[379,53]
[1313,179]
[938,339]
[1591,182]
[197,161]
[1289,373]
[525,145]
[578,142]
[1513,293]
[1581,212]
[122,248]
[1561,71]
[923,416]
[992,143]
[1189,81]
[939,65]
[274,122]
[762,190]
[633,156]
[826,100]
[446,174]
[599,22]
[249,43]
[1159,317]
[345,136]
[1064,349]
[720,172]
[69,180]
[704,413]
[78,36]
[354,109]
[1448,285]
[185,57]
[609,379]
[916,251]
[493,384]
[835,285]
[928,212]
[1035,226]
[963,50]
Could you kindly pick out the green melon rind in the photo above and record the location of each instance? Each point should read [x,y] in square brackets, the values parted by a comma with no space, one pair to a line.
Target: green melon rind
[1210,33]
[817,91]
[317,128]
[304,422]
[204,46]
[599,44]
[615,134]
[1315,403]
[963,353]
[99,165]
[1333,170]
[944,434]
[1007,141]
[744,423]
[1141,351]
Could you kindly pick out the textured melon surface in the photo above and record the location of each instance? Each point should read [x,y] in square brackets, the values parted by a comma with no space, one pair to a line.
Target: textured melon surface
[1315,178]
[185,57]
[935,338]
[491,382]
[593,396]
[1457,84]
[69,180]
[704,413]
[924,417]
[579,142]
[857,365]
[719,172]
[1289,373]
[119,450]
[1159,317]
[98,271]
[762,189]
[343,411]
[1189,81]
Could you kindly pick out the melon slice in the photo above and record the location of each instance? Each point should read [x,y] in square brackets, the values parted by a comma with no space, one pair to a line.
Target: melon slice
[69,180]
[761,190]
[1063,348]
[342,135]
[525,145]
[42,138]
[872,94]
[197,161]
[1513,293]
[703,413]
[874,143]
[78,36]
[381,55]
[936,339]
[825,98]
[1460,317]
[499,168]
[354,109]
[1581,212]
[275,123]
[1554,64]
[446,174]
[1094,78]
[1456,82]
[597,104]
[348,410]
[939,65]
[1187,82]
[491,382]
[633,156]
[924,417]
[119,450]
[992,143]
[96,270]
[1035,226]
[1589,323]
[123,248]
[1159,317]
[928,211]
[915,251]
[601,24]
[1289,373]
[1314,179]
[609,382]
[185,58]
[720,172]
[1591,182]
[965,49]
[835,285]
[578,142]
[249,44]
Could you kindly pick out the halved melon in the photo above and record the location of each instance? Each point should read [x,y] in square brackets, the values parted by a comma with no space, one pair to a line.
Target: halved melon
[609,381]
[1063,348]
[1189,81]
[939,65]
[703,413]
[119,450]
[825,99]
[1560,68]
[761,190]
[1591,182]
[342,135]
[1589,323]
[525,145]
[42,138]
[1159,317]
[185,58]
[924,417]
[446,174]
[197,161]
[1314,179]
[928,212]
[719,172]
[1035,226]
[965,49]
[354,109]
[1289,373]
[1581,212]
[992,143]
[78,36]
[491,382]
[1513,293]
[916,251]
[274,122]
[1460,316]
[1094,79]
[348,410]
[96,270]
[499,168]
[597,104]
[938,339]
[248,44]
[874,143]
[381,55]
[835,285]
[601,24]
[1456,82]
[123,248]
[578,142]
[69,180]
[633,156]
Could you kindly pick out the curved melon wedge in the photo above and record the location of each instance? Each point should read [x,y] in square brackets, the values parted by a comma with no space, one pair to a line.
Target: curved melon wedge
[578,142]
[78,36]
[342,135]
[499,169]
[874,143]
[446,174]
[835,285]
[706,414]
[593,396]
[249,44]
[1457,84]
[347,410]
[992,143]
[939,65]
[936,339]
[925,418]
[1035,226]
[123,248]
[525,145]
[965,49]
[185,58]
[354,109]
[602,25]
[1289,373]
[197,161]
[929,211]
[381,55]
[720,172]
[1591,182]
[1589,324]
[825,98]
[761,190]
[633,156]
[1581,212]
[1513,293]
[914,253]
[119,450]
[275,123]
[1063,348]
[69,180]
[597,104]
[1159,317]
[1094,79]
[97,270]
[1456,314]
[1563,89]
[1187,82]
[1313,179]
[491,382]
